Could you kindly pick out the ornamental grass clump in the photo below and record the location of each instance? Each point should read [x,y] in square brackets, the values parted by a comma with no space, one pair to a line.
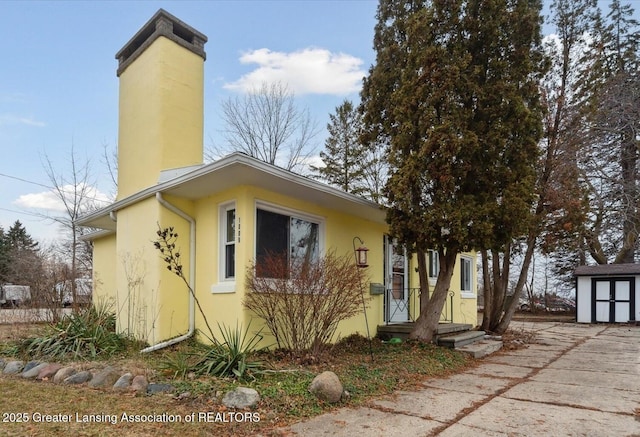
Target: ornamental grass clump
[87,334]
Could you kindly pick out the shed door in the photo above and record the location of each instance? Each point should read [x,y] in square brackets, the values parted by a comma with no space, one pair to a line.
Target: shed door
[613,299]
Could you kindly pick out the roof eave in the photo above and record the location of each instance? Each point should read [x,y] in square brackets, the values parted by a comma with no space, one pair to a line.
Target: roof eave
[102,217]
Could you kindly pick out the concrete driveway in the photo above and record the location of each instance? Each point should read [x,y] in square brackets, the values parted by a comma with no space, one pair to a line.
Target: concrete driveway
[578,380]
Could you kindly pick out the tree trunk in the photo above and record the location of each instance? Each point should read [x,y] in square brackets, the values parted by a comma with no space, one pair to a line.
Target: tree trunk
[503,324]
[487,289]
[423,277]
[427,324]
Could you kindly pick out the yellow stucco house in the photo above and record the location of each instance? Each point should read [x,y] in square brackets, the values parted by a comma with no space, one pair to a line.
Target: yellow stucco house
[225,212]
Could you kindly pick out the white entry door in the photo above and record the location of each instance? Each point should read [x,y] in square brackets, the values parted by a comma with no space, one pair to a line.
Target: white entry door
[396,283]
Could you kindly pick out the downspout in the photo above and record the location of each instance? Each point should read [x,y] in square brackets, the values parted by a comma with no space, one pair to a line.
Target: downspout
[192,277]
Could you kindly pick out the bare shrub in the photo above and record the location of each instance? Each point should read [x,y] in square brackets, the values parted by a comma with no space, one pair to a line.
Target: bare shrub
[303,302]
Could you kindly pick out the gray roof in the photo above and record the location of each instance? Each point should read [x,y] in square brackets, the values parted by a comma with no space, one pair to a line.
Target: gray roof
[608,270]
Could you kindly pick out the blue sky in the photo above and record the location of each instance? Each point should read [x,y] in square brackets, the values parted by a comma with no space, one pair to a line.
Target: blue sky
[58,84]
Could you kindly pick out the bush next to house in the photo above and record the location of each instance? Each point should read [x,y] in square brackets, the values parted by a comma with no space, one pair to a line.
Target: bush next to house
[302,302]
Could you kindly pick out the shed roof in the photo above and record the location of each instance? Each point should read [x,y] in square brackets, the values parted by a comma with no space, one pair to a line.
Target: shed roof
[608,270]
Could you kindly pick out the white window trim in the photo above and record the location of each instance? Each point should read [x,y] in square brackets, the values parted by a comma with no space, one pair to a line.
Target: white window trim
[467,294]
[225,285]
[260,204]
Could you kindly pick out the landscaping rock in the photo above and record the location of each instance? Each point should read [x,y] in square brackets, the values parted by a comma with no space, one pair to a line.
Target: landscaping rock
[33,372]
[241,397]
[30,365]
[139,384]
[104,378]
[13,367]
[123,382]
[63,374]
[160,388]
[79,378]
[183,396]
[327,387]
[48,372]
[2,363]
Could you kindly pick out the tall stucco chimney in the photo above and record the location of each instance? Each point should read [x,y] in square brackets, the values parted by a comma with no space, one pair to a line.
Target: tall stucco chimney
[161,116]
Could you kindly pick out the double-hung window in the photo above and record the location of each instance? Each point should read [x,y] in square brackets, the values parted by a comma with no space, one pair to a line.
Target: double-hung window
[227,237]
[466,277]
[292,236]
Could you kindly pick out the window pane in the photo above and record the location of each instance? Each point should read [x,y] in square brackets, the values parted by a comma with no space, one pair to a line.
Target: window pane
[465,274]
[434,265]
[231,225]
[272,238]
[230,261]
[304,241]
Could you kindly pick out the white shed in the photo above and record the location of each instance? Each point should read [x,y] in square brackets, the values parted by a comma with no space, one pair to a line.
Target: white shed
[608,293]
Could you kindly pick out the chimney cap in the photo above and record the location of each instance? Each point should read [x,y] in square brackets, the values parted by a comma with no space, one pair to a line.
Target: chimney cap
[161,24]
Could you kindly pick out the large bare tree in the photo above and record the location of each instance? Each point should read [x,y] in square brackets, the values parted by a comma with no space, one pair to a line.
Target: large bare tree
[267,124]
[559,212]
[610,88]
[75,189]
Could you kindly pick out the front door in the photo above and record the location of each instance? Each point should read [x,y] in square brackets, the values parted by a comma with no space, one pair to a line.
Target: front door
[613,299]
[396,283]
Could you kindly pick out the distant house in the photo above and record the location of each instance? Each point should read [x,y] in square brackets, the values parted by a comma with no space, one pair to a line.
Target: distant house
[608,293]
[226,212]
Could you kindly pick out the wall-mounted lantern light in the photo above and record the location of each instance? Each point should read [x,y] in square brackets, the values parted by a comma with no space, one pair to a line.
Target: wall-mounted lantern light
[361,253]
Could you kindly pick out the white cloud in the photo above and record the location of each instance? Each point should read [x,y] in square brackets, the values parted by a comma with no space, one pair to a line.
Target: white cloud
[48,200]
[6,119]
[307,71]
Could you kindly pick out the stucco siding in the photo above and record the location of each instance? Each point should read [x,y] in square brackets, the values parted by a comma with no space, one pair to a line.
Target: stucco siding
[160,115]
[104,270]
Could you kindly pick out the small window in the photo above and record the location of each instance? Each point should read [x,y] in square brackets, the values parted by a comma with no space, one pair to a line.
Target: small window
[228,242]
[434,263]
[466,275]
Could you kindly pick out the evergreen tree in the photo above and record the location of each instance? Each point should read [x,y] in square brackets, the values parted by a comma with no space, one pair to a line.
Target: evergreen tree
[455,90]
[19,239]
[344,157]
[23,254]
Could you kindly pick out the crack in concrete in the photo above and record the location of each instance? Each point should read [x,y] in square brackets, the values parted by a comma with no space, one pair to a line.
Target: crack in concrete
[516,381]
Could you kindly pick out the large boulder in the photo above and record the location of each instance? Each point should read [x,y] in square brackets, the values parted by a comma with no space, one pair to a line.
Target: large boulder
[240,398]
[327,387]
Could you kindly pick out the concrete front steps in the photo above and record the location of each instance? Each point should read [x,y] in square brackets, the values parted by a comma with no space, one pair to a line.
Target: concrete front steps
[475,343]
[458,336]
[481,348]
[402,330]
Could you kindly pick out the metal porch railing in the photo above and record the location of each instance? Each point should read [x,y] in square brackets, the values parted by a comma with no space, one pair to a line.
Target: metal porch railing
[403,305]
